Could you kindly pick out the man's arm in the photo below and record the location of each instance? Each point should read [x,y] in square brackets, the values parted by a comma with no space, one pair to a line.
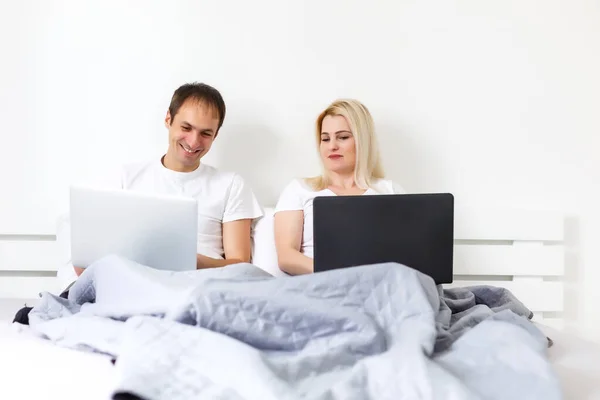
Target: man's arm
[236,243]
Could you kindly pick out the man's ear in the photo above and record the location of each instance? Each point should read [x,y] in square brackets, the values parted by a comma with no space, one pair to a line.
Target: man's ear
[168,119]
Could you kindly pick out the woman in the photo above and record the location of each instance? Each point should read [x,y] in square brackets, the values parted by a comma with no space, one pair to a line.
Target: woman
[349,153]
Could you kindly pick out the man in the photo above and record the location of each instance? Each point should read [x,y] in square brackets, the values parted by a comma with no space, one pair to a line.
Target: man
[226,205]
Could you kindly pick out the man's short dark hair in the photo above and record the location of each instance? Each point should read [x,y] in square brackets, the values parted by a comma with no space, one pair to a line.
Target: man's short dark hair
[201,93]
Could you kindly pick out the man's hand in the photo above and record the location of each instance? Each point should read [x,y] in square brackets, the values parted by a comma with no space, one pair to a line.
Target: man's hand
[204,262]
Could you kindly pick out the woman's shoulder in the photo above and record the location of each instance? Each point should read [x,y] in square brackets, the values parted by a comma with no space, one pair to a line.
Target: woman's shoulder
[387,186]
[298,185]
[293,196]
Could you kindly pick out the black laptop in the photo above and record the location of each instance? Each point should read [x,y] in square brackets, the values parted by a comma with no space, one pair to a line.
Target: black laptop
[416,230]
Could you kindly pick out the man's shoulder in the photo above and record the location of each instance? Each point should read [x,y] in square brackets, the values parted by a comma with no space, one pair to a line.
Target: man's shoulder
[237,196]
[220,176]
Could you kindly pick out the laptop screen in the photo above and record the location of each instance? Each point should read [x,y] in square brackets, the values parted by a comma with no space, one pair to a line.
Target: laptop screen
[416,230]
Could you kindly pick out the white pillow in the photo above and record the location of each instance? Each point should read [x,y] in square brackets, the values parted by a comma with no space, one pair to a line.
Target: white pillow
[66,274]
[264,253]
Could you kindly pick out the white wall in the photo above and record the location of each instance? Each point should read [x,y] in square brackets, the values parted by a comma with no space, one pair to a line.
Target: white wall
[496,102]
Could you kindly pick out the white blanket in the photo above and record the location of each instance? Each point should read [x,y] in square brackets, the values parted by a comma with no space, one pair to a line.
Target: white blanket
[360,333]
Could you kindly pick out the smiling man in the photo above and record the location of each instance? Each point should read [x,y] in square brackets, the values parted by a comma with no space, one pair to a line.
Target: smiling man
[226,205]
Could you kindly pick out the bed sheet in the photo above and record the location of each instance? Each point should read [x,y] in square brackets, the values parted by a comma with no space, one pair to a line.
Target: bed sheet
[33,368]
[576,362]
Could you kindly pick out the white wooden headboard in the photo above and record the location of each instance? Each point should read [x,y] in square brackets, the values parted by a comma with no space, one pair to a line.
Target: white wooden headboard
[520,250]
[28,264]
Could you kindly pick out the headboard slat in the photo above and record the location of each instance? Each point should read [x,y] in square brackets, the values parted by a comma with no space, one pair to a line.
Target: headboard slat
[508,224]
[508,260]
[28,255]
[26,287]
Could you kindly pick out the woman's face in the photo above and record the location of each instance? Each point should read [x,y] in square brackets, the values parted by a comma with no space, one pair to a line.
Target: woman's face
[337,147]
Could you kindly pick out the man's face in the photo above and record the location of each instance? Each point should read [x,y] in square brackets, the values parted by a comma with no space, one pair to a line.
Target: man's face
[191,133]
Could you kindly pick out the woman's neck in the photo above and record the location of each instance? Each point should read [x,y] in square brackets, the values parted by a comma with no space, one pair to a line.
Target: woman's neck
[344,185]
[342,181]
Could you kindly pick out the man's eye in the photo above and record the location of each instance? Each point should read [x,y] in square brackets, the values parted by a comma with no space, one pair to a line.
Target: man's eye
[186,128]
[206,134]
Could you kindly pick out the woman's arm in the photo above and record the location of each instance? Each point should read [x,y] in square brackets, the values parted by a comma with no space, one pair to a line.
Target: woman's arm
[289,226]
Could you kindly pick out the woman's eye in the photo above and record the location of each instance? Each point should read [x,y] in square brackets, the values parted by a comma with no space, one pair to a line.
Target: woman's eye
[344,137]
[324,140]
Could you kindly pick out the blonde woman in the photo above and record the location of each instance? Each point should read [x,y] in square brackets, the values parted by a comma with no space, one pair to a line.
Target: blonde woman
[349,154]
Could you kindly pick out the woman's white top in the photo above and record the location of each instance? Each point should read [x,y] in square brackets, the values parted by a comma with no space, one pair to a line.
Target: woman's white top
[297,196]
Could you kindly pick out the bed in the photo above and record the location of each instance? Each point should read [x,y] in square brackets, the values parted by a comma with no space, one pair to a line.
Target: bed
[520,250]
[32,368]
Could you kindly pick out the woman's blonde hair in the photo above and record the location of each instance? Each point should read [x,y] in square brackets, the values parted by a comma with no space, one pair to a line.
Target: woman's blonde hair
[368,162]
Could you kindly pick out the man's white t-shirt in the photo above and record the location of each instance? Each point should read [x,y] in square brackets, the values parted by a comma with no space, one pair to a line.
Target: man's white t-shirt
[222,197]
[297,195]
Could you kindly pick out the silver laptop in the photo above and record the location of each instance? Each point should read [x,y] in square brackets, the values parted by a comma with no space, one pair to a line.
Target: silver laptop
[158,231]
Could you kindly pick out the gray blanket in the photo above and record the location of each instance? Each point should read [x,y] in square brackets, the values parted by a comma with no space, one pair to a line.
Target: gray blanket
[372,332]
